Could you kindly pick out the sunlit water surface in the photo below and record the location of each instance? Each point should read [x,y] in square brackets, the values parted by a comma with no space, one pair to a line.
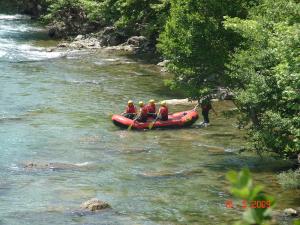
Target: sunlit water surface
[55,107]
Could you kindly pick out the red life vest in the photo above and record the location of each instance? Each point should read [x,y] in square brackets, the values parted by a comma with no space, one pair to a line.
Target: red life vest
[151,108]
[130,109]
[163,111]
[144,112]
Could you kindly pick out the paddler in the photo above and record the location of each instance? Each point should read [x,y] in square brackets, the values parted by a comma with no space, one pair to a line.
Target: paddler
[143,113]
[151,107]
[130,111]
[163,111]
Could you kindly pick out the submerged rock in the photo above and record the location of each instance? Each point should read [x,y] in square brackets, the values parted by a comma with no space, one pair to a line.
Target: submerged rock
[51,166]
[169,174]
[94,204]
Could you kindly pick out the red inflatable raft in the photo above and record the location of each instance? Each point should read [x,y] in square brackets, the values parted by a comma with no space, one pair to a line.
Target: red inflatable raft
[176,120]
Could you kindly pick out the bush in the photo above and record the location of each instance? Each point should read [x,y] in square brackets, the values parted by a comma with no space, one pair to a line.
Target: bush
[290,179]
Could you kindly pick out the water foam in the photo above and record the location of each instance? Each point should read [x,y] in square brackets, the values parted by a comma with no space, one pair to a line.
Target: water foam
[14,17]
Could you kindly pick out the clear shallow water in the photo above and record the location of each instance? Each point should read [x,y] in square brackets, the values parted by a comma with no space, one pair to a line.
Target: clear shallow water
[55,107]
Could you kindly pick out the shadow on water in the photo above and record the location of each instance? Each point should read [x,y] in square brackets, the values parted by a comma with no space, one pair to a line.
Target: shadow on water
[236,161]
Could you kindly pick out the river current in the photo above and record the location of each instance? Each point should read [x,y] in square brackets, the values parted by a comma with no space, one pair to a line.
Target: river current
[55,107]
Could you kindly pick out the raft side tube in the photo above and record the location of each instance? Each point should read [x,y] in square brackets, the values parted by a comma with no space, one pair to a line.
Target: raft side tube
[176,120]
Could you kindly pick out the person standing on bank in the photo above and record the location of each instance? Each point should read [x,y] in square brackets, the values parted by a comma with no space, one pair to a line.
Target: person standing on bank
[206,107]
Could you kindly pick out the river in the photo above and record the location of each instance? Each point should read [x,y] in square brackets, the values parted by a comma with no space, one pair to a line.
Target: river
[55,107]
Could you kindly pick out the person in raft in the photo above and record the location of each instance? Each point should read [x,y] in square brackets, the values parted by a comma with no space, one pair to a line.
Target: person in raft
[143,113]
[163,111]
[151,107]
[130,111]
[206,107]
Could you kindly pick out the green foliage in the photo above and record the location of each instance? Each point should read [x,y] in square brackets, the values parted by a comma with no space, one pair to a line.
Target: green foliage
[264,74]
[242,187]
[196,43]
[296,222]
[290,179]
[135,16]
[145,17]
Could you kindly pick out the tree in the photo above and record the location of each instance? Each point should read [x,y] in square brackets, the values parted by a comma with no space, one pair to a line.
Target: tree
[265,77]
[196,43]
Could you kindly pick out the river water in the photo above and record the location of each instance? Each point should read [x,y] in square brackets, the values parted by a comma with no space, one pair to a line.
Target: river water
[55,107]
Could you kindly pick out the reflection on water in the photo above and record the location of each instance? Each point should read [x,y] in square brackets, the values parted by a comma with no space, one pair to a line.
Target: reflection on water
[58,111]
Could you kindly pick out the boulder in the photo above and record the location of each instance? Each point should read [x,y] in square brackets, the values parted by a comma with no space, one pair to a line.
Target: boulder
[57,30]
[94,204]
[63,45]
[79,37]
[137,41]
[163,63]
[224,94]
[50,49]
[108,30]
[76,45]
[110,36]
[290,212]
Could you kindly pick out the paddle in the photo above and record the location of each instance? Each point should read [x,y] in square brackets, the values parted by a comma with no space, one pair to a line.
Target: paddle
[153,122]
[194,109]
[129,128]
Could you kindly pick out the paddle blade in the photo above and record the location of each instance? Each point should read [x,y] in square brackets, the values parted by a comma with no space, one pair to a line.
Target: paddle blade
[129,128]
[151,125]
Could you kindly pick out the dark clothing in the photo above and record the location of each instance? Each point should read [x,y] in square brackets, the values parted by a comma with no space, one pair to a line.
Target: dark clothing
[205,116]
[206,106]
[129,115]
[141,119]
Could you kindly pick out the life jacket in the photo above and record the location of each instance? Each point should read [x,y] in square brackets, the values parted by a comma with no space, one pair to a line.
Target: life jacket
[163,111]
[151,108]
[130,109]
[144,112]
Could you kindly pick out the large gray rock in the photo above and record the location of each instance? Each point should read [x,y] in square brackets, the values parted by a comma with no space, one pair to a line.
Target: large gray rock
[94,204]
[137,41]
[110,36]
[108,30]
[57,30]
